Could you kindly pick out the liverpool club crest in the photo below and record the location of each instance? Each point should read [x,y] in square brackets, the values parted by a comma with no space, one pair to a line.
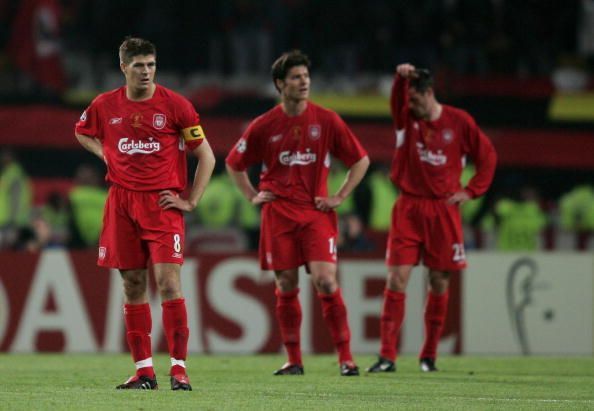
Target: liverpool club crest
[315,131]
[159,121]
[448,135]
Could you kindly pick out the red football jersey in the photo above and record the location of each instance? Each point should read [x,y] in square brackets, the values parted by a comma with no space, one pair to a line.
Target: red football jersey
[430,155]
[296,152]
[143,141]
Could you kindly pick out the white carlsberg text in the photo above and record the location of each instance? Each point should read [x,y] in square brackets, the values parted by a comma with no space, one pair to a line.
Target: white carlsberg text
[297,159]
[428,156]
[127,146]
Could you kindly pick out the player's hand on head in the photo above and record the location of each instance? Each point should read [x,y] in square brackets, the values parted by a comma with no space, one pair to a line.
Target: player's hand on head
[459,198]
[168,199]
[263,197]
[327,203]
[406,70]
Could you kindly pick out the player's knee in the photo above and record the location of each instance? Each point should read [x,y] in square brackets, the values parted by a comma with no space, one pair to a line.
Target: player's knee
[287,280]
[439,286]
[169,288]
[326,284]
[398,277]
[134,285]
[439,281]
[397,282]
[134,289]
[286,284]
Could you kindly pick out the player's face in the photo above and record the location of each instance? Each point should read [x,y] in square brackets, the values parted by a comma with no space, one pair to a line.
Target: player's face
[419,103]
[140,72]
[295,86]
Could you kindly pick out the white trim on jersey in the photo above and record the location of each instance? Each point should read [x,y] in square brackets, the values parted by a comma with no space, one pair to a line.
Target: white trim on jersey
[400,134]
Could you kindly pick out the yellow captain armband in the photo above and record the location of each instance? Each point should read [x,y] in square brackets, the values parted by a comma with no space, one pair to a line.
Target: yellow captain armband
[193,133]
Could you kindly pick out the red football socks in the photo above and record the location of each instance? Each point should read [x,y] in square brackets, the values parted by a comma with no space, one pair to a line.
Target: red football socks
[390,322]
[138,334]
[335,314]
[435,315]
[175,325]
[288,314]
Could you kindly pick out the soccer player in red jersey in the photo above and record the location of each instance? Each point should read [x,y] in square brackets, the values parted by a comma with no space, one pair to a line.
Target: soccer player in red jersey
[295,142]
[432,142]
[141,131]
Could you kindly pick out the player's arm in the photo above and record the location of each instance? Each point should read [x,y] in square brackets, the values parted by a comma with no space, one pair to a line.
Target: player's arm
[485,159]
[246,153]
[242,181]
[204,169]
[91,144]
[399,94]
[352,179]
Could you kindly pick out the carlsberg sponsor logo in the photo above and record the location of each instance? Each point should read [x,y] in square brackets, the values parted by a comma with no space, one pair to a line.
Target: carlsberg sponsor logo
[127,146]
[428,156]
[435,159]
[297,159]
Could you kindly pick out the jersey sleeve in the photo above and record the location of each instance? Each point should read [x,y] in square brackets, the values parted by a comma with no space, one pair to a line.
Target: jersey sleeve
[246,152]
[345,145]
[480,148]
[188,121]
[88,124]
[399,102]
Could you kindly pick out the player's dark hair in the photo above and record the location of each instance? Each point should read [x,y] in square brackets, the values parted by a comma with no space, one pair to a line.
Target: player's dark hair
[135,46]
[423,80]
[288,60]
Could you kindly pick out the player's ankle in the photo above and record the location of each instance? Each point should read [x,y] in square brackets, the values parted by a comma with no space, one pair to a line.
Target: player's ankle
[146,372]
[177,369]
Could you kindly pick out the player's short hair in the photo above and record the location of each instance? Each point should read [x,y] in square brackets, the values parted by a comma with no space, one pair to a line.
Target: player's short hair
[135,46]
[423,80]
[288,60]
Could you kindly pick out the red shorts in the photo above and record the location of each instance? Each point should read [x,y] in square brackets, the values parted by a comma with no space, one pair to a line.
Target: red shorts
[136,229]
[427,228]
[291,236]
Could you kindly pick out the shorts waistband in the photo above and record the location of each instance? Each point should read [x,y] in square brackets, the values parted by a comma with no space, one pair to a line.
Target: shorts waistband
[416,197]
[119,187]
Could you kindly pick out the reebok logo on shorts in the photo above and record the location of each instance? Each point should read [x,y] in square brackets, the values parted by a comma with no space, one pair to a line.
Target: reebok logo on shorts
[102,253]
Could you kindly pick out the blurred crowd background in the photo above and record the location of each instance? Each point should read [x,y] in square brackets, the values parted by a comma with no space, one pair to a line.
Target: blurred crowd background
[241,37]
[523,69]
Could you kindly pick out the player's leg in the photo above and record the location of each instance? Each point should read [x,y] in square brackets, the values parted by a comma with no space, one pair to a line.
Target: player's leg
[444,254]
[323,275]
[317,243]
[435,315]
[278,252]
[392,317]
[288,315]
[402,253]
[137,317]
[175,322]
[163,233]
[120,247]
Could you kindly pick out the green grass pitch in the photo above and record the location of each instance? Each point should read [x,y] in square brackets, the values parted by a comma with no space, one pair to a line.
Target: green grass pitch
[86,382]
